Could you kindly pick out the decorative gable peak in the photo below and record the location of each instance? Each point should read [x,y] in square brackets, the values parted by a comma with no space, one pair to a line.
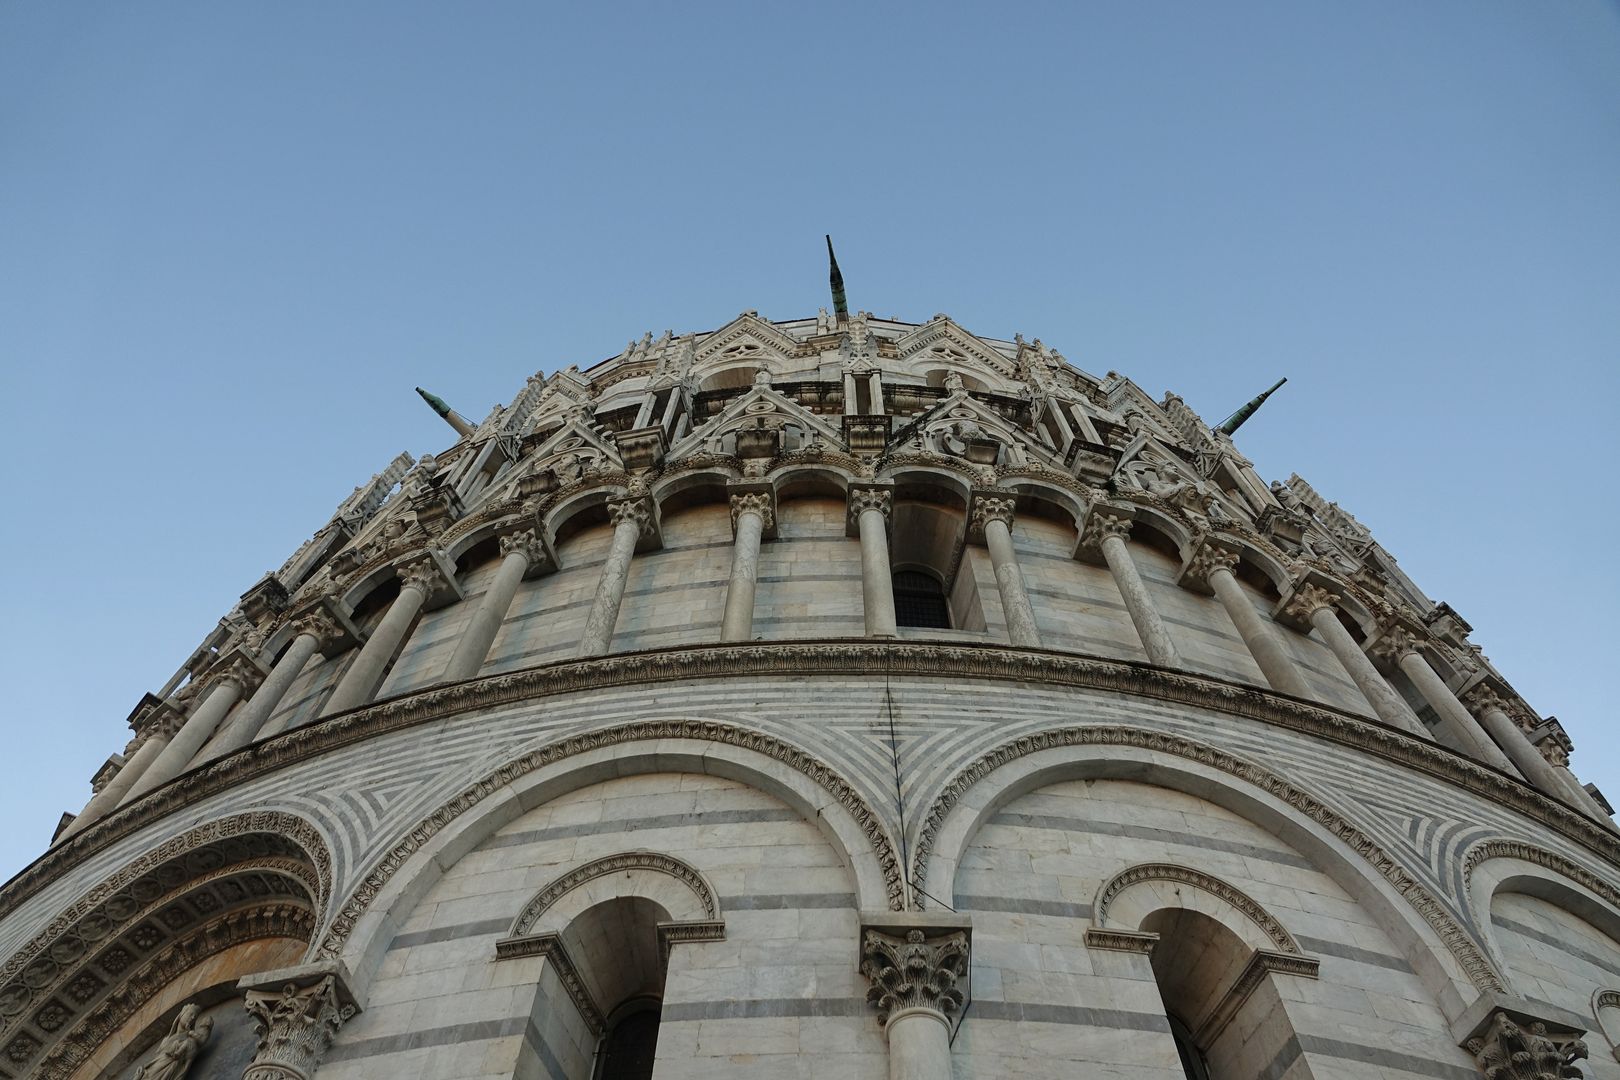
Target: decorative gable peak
[941,340]
[746,339]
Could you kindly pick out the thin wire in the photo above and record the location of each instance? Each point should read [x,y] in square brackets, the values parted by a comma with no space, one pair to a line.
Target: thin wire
[899,797]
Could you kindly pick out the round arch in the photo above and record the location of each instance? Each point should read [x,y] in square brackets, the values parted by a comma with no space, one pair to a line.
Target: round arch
[679,888]
[361,928]
[1440,950]
[1495,866]
[1129,897]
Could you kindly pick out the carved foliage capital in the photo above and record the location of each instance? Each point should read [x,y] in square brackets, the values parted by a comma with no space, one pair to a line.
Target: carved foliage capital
[1507,1051]
[992,508]
[525,542]
[295,1026]
[914,972]
[1208,559]
[1103,523]
[1308,600]
[869,498]
[319,625]
[422,575]
[753,502]
[1395,643]
[636,511]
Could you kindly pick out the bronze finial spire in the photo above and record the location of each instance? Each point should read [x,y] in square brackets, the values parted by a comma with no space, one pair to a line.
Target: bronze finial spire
[451,417]
[836,279]
[1235,421]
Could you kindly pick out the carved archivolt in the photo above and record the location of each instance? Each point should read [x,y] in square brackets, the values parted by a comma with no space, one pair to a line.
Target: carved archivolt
[1516,849]
[706,731]
[615,864]
[1197,879]
[1457,940]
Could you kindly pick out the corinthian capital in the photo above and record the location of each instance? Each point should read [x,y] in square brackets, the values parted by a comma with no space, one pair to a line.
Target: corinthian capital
[295,1025]
[322,627]
[422,575]
[753,502]
[1102,522]
[1208,559]
[1507,1051]
[1395,643]
[870,498]
[1307,600]
[914,972]
[988,508]
[636,511]
[525,542]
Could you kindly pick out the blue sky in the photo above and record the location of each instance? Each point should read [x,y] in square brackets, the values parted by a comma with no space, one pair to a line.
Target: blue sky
[233,237]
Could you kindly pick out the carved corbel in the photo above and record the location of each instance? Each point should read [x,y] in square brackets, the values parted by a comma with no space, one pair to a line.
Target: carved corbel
[296,1014]
[1508,1051]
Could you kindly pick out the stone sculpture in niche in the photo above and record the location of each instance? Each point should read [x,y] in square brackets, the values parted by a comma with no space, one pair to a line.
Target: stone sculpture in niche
[179,1047]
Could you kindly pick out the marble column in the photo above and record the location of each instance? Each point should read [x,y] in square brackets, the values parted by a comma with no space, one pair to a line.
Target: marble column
[1106,530]
[1457,725]
[1546,766]
[631,519]
[417,582]
[521,552]
[992,517]
[1315,605]
[851,400]
[751,515]
[229,686]
[871,507]
[874,386]
[315,632]
[914,988]
[1214,566]
[145,748]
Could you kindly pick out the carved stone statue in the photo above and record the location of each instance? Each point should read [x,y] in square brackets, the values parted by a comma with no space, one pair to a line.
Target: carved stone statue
[1288,499]
[953,383]
[179,1047]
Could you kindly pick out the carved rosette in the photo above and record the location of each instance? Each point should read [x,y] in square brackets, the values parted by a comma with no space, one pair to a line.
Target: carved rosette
[753,502]
[636,511]
[295,1026]
[1509,1052]
[525,542]
[1308,600]
[914,972]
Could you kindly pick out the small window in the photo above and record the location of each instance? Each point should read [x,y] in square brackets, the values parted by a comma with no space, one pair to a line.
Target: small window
[920,601]
[631,1044]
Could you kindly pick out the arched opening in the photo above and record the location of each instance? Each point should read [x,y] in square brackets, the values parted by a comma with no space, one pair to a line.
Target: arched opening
[1198,964]
[919,600]
[630,1045]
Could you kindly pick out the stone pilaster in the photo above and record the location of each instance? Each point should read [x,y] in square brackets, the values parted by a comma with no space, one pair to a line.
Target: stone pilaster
[295,1022]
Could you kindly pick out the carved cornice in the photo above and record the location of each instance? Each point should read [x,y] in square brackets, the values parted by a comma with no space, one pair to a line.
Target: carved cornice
[616,864]
[550,946]
[914,972]
[1114,940]
[1196,879]
[1462,946]
[841,658]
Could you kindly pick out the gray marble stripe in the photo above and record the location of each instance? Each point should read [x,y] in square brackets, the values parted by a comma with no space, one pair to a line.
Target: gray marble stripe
[787,901]
[1351,952]
[1385,1058]
[1016,905]
[1116,1019]
[854,577]
[659,821]
[1144,832]
[760,1008]
[476,1031]
[536,1042]
[450,933]
[1560,944]
[1284,1061]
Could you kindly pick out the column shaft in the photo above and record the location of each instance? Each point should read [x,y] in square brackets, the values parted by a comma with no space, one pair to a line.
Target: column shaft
[739,618]
[1021,628]
[189,739]
[874,386]
[365,675]
[1386,704]
[610,589]
[1149,626]
[473,648]
[249,721]
[1276,665]
[850,397]
[877,587]
[1456,722]
[919,1046]
[113,792]
[1549,779]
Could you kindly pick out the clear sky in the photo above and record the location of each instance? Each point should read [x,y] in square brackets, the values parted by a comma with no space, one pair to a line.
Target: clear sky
[234,236]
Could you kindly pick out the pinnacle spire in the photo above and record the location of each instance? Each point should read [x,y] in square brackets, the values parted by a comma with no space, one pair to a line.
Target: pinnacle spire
[1235,421]
[451,417]
[836,280]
